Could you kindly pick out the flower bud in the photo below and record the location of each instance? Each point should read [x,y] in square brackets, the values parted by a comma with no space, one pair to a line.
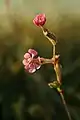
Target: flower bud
[39,20]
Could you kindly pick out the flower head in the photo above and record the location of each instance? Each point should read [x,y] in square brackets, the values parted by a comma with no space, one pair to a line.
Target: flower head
[39,20]
[31,61]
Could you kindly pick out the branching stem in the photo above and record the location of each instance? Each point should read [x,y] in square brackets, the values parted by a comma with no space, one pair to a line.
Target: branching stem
[56,68]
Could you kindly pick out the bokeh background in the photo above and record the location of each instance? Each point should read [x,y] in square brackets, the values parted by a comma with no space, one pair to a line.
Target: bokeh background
[25,96]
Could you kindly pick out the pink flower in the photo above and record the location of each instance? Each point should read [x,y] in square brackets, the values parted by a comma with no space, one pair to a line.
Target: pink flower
[39,20]
[31,61]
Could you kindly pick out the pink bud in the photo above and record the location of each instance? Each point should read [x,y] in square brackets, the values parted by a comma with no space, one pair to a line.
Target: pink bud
[39,20]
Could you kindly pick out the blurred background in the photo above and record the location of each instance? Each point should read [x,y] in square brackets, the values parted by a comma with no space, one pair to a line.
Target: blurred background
[25,96]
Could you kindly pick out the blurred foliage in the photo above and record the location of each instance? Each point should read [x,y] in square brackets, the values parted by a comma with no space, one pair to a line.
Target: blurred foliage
[26,96]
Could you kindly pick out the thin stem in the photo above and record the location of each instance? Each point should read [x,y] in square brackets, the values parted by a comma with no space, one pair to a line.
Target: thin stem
[53,51]
[65,105]
[46,61]
[50,37]
[56,68]
[54,48]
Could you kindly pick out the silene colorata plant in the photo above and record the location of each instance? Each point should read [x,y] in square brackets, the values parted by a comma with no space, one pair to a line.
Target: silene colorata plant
[32,62]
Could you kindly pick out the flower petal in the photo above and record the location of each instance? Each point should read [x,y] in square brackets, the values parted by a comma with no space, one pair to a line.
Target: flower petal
[27,61]
[35,22]
[33,52]
[30,68]
[37,66]
[24,62]
[27,55]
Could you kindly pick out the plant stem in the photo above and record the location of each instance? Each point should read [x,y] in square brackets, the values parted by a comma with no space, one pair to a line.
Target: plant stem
[59,76]
[56,68]
[53,50]
[65,105]
[46,61]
